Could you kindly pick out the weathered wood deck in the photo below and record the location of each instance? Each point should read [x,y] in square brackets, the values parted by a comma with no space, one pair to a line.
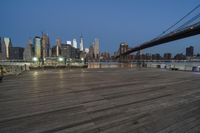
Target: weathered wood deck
[101,101]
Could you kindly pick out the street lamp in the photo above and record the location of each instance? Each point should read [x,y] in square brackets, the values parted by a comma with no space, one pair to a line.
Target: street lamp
[35,59]
[60,59]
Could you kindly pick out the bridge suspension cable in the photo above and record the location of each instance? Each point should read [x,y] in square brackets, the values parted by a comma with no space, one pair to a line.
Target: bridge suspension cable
[172,26]
[181,32]
[188,22]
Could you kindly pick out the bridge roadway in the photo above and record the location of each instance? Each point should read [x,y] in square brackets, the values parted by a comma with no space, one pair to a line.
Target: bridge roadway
[101,101]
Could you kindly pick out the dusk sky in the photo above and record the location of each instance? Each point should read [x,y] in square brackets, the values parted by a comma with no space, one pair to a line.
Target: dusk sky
[112,21]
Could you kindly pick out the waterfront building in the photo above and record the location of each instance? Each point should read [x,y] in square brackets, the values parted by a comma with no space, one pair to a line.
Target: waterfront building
[179,56]
[156,57]
[131,57]
[50,52]
[17,53]
[91,53]
[148,56]
[68,51]
[65,50]
[105,56]
[45,45]
[142,57]
[190,51]
[38,47]
[167,56]
[74,43]
[94,53]
[81,43]
[6,45]
[54,51]
[28,51]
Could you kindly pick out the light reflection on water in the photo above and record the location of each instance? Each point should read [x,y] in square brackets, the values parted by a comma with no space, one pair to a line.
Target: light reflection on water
[35,74]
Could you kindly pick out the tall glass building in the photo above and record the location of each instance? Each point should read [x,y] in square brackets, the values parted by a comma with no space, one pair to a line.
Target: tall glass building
[74,43]
[6,48]
[81,43]
[38,47]
[45,45]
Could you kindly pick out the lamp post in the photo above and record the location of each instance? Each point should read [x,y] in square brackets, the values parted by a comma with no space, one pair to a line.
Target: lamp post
[35,60]
[61,60]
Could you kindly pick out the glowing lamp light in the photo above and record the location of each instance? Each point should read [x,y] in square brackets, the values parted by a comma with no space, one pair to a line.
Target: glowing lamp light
[60,59]
[35,59]
[82,59]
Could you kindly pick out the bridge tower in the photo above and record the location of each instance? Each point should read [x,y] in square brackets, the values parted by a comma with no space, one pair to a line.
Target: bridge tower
[122,49]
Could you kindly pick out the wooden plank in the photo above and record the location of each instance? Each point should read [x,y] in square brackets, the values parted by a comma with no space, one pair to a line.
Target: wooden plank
[100,100]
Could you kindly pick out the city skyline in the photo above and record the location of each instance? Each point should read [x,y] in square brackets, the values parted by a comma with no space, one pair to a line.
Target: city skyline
[118,22]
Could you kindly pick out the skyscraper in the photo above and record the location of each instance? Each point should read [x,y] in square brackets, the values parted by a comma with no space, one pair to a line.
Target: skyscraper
[190,51]
[6,48]
[96,48]
[81,43]
[167,56]
[58,47]
[45,45]
[17,53]
[28,51]
[74,43]
[94,52]
[38,47]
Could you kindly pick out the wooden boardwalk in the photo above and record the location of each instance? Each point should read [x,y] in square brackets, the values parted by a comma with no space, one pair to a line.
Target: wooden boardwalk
[101,101]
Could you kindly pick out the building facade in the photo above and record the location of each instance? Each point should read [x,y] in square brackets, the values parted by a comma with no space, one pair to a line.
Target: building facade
[38,47]
[6,45]
[28,51]
[58,47]
[180,56]
[94,52]
[81,43]
[167,56]
[68,51]
[96,48]
[156,57]
[17,53]
[190,51]
[74,43]
[45,45]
